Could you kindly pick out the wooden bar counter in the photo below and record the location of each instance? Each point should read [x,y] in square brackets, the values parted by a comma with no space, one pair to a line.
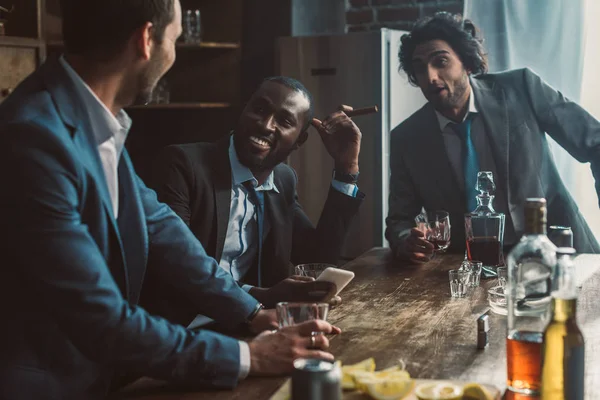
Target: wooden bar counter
[395,312]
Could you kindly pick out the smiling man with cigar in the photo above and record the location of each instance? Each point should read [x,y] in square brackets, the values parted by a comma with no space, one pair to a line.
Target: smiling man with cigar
[239,197]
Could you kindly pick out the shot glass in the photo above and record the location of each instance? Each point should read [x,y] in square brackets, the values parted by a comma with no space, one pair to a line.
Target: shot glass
[289,314]
[502,276]
[312,270]
[459,282]
[474,270]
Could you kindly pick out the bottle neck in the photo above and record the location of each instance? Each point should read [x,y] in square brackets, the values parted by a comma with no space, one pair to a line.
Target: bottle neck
[535,222]
[485,202]
[564,309]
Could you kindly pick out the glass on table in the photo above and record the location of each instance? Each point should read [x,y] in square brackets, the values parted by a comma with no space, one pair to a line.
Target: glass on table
[474,270]
[289,314]
[312,270]
[561,236]
[502,276]
[459,282]
[435,225]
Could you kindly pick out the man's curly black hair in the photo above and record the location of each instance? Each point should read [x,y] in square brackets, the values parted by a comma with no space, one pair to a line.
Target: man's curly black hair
[461,34]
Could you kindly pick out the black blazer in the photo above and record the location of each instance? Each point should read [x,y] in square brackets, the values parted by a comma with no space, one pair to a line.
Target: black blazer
[195,181]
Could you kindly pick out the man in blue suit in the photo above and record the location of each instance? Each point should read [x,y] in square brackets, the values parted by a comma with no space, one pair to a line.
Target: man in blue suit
[80,229]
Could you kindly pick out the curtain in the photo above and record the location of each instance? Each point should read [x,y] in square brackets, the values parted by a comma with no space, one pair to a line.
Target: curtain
[556,39]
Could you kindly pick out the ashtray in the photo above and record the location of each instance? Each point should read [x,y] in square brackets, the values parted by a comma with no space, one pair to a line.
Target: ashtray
[497,300]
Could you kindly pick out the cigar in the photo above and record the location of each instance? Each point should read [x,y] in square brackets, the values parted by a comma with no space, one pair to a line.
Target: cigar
[362,111]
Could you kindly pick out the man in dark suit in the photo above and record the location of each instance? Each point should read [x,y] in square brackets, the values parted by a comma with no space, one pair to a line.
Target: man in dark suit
[80,228]
[211,186]
[508,114]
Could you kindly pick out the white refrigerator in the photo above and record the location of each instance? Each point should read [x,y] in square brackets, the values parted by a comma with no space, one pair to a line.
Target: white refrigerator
[358,69]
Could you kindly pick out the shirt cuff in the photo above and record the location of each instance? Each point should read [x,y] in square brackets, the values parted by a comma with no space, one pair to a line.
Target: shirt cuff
[244,360]
[349,189]
[247,288]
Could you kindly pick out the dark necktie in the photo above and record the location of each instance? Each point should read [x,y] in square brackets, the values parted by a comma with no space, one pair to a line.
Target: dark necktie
[257,197]
[470,161]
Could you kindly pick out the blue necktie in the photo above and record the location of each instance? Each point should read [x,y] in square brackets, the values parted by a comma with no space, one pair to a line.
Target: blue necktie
[470,161]
[257,197]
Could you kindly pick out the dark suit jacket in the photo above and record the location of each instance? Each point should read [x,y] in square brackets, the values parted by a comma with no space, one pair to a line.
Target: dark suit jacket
[195,181]
[517,108]
[72,273]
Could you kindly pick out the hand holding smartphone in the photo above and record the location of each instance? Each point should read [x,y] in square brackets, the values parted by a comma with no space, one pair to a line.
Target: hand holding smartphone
[340,277]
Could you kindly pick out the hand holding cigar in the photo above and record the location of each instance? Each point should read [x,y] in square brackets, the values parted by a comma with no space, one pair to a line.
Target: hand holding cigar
[355,112]
[341,136]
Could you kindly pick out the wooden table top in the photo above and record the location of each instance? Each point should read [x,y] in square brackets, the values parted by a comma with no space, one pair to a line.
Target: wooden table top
[392,312]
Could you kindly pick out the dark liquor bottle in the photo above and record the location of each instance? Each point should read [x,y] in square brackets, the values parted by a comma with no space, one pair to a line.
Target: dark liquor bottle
[484,227]
[531,265]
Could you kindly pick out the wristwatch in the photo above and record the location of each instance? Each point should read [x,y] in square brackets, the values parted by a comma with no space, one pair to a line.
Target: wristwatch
[346,178]
[254,313]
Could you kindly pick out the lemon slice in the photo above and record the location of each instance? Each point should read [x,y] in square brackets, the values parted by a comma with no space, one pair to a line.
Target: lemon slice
[347,377]
[363,378]
[439,391]
[389,389]
[474,391]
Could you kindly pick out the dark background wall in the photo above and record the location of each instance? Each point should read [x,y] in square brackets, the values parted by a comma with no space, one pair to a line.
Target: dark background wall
[364,15]
[265,20]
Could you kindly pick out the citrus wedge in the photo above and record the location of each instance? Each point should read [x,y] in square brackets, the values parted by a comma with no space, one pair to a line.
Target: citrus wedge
[367,365]
[363,378]
[474,391]
[389,389]
[439,391]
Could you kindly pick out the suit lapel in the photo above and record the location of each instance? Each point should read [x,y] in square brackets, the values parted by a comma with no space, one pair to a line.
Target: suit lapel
[275,216]
[64,93]
[74,115]
[132,225]
[222,192]
[432,152]
[490,102]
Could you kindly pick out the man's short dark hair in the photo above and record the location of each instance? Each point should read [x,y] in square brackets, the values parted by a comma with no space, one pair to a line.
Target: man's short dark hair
[461,34]
[102,28]
[298,87]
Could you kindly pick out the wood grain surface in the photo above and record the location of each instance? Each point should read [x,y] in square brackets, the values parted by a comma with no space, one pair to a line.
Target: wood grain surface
[393,312]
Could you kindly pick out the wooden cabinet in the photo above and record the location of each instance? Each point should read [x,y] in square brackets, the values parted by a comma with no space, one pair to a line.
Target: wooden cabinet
[204,82]
[204,87]
[22,48]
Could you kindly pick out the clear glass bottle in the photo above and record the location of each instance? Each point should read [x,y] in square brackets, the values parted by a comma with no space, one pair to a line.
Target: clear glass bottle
[563,351]
[531,265]
[484,227]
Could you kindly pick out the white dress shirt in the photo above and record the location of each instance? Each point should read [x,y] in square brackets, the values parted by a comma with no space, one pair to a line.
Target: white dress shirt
[110,133]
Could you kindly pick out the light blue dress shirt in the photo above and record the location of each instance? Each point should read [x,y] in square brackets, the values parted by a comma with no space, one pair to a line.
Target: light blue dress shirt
[240,247]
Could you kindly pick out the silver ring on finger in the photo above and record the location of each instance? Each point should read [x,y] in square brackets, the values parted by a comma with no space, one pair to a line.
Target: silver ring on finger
[313,341]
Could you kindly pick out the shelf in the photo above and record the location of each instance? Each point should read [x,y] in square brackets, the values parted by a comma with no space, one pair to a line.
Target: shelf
[55,43]
[180,106]
[202,45]
[209,45]
[16,41]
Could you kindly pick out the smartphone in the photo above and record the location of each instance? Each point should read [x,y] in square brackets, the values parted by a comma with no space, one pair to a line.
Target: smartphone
[340,277]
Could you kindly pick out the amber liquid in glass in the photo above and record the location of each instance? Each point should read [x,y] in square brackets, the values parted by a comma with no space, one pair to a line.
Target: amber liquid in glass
[484,249]
[524,361]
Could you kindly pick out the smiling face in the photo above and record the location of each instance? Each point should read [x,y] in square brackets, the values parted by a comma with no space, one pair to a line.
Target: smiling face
[441,75]
[270,126]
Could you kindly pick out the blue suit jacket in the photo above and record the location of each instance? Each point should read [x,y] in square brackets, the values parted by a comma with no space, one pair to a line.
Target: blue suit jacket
[71,273]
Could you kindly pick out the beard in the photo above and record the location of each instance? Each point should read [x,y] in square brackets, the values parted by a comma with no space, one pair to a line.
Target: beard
[149,79]
[257,162]
[454,99]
